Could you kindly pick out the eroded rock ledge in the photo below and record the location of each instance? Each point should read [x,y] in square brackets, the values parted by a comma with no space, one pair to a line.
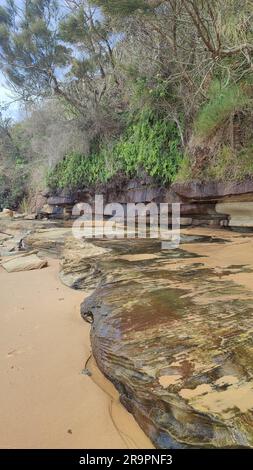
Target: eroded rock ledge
[202,203]
[173,331]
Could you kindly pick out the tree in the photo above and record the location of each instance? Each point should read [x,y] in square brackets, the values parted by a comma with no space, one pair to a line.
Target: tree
[189,41]
[31,54]
[67,51]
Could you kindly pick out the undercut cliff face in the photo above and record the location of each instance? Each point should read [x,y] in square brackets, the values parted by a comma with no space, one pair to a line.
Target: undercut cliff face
[173,331]
[208,203]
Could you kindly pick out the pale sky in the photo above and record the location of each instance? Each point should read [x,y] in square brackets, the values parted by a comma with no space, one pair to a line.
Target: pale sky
[5,98]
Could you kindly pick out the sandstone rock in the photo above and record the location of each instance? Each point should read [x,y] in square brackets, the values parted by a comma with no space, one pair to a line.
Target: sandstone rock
[213,191]
[10,245]
[47,209]
[21,228]
[79,264]
[240,213]
[25,262]
[4,237]
[19,216]
[184,221]
[50,240]
[61,200]
[30,217]
[6,213]
[174,336]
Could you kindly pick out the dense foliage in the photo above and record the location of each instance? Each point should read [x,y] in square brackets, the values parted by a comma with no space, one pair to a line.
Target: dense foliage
[150,144]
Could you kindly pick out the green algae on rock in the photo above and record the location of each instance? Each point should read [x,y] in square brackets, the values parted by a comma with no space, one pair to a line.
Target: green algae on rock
[175,337]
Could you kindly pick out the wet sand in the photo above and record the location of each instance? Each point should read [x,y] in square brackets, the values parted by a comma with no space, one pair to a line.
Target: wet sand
[237,253]
[45,400]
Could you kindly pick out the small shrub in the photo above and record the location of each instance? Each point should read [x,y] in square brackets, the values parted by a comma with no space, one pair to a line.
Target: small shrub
[185,170]
[24,206]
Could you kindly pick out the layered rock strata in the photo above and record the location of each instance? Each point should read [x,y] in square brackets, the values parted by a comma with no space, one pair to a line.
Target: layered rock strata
[174,334]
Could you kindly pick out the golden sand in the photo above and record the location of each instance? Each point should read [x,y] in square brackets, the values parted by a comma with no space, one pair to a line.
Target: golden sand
[46,402]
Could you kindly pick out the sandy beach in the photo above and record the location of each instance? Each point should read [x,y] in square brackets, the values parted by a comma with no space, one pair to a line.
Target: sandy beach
[46,401]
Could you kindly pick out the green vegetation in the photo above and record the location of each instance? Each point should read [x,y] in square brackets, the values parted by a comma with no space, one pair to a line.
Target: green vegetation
[185,170]
[150,145]
[222,102]
[12,190]
[230,166]
[13,166]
